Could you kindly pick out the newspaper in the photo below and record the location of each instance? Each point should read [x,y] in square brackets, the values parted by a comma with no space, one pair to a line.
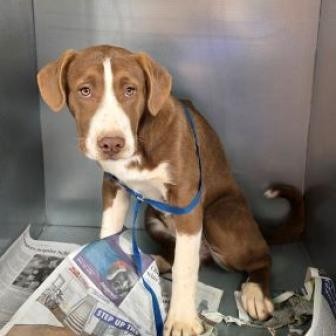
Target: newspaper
[23,267]
[96,291]
[310,311]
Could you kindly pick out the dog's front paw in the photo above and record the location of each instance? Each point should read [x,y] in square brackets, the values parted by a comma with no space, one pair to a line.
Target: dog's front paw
[183,326]
[255,303]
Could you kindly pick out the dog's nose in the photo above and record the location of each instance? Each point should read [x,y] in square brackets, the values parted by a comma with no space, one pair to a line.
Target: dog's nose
[111,145]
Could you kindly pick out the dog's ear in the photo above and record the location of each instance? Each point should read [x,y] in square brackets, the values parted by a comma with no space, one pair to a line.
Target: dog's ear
[51,81]
[159,83]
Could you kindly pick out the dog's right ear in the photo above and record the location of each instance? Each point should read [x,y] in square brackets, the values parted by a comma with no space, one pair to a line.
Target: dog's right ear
[159,82]
[51,81]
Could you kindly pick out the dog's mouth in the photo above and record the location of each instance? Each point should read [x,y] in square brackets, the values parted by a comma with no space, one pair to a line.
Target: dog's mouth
[111,156]
[106,157]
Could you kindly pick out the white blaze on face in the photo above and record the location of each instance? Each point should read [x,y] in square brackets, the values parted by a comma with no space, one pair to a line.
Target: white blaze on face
[110,120]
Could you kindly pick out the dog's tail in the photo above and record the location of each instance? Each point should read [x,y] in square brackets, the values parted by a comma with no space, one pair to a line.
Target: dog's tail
[292,228]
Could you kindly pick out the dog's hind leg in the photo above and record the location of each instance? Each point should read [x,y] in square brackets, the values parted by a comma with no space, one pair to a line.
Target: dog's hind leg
[235,242]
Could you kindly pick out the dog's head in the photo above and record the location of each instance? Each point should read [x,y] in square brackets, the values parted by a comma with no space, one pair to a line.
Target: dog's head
[108,91]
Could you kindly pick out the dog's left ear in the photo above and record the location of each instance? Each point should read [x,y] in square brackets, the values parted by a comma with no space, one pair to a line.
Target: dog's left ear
[159,83]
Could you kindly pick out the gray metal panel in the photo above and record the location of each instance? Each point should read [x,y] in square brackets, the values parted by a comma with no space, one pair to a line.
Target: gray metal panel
[21,163]
[321,166]
[247,64]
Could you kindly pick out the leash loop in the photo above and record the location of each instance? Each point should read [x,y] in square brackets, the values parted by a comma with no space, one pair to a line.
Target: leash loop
[140,197]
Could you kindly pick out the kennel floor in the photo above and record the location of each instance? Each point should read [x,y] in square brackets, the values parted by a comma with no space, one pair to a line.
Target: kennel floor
[288,271]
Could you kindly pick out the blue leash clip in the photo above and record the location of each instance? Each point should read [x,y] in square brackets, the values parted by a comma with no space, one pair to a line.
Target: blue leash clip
[164,207]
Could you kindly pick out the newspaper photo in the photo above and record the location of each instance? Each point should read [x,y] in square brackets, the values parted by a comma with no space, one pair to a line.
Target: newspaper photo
[24,267]
[96,291]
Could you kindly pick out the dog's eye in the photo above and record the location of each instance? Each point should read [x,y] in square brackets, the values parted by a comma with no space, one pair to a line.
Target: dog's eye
[85,91]
[129,91]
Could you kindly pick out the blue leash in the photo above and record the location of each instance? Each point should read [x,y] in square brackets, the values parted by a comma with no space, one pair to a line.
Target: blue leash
[163,207]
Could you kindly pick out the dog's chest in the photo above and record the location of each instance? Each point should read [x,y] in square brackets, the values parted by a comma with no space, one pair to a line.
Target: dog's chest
[151,183]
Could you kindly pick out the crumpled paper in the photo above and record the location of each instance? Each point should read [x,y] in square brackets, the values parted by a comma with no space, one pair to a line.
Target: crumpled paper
[292,309]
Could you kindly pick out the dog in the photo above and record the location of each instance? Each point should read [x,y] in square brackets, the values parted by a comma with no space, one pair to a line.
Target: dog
[130,123]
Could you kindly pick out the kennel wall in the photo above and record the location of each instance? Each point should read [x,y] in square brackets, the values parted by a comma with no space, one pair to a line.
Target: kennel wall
[263,73]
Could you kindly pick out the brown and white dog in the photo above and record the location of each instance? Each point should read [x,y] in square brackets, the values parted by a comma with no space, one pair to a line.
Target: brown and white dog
[128,121]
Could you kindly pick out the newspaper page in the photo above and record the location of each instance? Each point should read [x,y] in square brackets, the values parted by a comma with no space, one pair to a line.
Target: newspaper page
[23,267]
[96,291]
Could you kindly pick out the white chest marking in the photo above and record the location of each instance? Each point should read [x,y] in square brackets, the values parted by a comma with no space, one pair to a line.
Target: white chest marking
[150,183]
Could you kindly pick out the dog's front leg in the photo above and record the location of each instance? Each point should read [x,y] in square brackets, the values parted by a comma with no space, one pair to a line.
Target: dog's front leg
[182,318]
[115,203]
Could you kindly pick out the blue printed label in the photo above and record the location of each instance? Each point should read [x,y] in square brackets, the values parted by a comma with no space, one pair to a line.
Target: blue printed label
[116,322]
